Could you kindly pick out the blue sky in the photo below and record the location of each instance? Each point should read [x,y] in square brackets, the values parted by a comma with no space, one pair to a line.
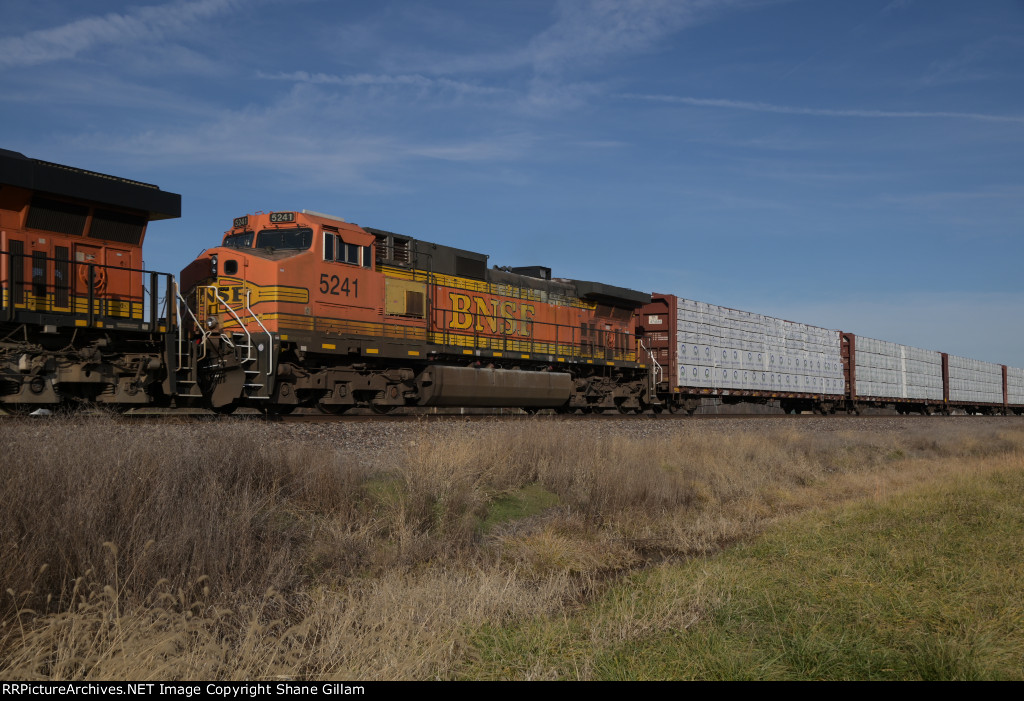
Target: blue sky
[852,164]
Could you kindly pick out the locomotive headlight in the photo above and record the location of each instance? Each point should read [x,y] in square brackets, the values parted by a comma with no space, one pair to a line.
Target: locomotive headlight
[213,265]
[211,322]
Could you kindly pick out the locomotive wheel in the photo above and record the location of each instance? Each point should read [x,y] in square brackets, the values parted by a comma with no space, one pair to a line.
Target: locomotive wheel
[336,409]
[381,408]
[224,409]
[279,409]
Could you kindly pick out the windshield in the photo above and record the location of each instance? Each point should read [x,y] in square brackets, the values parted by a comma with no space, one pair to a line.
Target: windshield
[295,239]
[242,240]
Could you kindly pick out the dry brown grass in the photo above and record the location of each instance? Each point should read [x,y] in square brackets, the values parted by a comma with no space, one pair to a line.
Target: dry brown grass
[219,551]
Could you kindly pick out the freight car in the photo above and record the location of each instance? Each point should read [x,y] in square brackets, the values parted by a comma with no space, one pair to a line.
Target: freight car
[297,308]
[81,320]
[700,350]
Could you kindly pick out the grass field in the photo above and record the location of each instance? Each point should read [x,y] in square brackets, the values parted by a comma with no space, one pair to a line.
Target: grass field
[523,550]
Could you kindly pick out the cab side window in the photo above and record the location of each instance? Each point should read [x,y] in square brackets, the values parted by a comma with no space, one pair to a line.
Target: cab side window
[337,250]
[330,245]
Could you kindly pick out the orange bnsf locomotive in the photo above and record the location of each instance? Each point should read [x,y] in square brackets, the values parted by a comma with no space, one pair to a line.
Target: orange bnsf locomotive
[80,319]
[305,309]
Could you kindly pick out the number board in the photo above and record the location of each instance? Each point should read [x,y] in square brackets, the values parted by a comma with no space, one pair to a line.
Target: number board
[241,221]
[280,217]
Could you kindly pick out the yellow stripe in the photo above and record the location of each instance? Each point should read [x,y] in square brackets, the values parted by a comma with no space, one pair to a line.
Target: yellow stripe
[269,293]
[499,345]
[329,346]
[486,287]
[414,352]
[372,350]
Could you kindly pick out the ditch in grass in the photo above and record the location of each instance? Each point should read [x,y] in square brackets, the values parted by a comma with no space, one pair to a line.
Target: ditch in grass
[927,585]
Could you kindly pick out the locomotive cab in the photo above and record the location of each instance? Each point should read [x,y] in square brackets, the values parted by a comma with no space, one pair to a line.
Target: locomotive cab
[283,266]
[302,308]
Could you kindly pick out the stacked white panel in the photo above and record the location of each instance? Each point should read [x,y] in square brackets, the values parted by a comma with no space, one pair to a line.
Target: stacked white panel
[975,381]
[1015,385]
[728,349]
[894,371]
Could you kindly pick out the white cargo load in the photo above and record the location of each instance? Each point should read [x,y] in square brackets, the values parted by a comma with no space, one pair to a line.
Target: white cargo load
[719,348]
[1015,385]
[975,381]
[894,371]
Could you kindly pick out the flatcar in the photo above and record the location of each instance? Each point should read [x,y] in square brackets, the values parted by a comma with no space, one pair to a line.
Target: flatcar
[701,351]
[81,320]
[297,308]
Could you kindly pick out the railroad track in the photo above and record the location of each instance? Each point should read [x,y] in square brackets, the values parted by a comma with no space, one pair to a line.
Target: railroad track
[360,416]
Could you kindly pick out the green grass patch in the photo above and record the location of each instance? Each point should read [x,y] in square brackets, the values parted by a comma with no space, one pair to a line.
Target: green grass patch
[522,503]
[928,585]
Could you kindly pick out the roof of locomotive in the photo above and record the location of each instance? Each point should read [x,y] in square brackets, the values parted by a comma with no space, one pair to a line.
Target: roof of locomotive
[18,170]
[447,260]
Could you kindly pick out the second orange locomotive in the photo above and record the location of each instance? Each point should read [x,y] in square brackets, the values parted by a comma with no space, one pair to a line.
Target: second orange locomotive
[300,308]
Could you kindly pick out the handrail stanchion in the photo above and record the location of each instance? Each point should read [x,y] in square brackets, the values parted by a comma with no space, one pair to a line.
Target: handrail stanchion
[153,302]
[270,339]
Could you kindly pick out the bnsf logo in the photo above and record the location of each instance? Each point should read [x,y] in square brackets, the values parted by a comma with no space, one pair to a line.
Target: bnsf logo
[233,295]
[495,315]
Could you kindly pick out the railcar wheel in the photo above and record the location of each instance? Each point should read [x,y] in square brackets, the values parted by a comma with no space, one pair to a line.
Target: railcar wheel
[225,409]
[279,409]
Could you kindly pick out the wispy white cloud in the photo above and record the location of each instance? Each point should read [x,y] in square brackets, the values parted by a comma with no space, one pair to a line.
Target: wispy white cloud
[1011,194]
[59,90]
[587,32]
[139,24]
[541,73]
[895,6]
[982,60]
[362,80]
[584,33]
[819,112]
[311,135]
